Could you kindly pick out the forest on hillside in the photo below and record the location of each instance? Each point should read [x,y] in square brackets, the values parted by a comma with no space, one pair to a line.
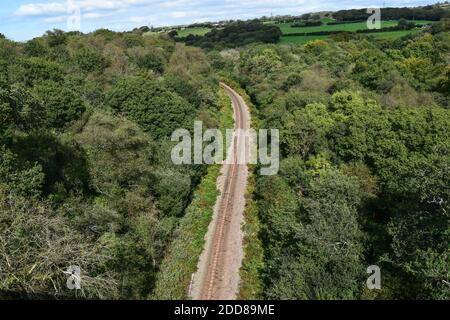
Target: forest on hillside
[85,172]
[430,12]
[236,34]
[86,177]
[365,170]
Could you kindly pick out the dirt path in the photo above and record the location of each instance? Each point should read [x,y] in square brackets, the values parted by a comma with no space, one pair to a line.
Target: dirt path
[217,277]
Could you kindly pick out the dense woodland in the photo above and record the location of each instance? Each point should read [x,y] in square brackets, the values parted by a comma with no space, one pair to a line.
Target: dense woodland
[85,172]
[236,34]
[86,177]
[431,12]
[364,178]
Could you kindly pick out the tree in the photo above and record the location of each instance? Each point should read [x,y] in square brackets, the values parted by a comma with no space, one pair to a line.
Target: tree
[133,40]
[263,63]
[444,82]
[306,16]
[158,110]
[36,48]
[304,131]
[38,247]
[237,34]
[90,60]
[391,188]
[405,24]
[62,105]
[80,183]
[32,70]
[371,69]
[56,37]
[172,33]
[20,112]
[320,257]
[119,156]
[24,179]
[148,59]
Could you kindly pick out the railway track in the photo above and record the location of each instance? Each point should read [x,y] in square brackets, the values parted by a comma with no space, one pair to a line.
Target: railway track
[216,261]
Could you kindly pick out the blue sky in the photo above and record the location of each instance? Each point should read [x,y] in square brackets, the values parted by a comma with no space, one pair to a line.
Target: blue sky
[24,19]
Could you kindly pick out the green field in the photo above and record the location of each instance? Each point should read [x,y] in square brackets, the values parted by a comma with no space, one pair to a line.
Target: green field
[195,31]
[380,35]
[350,27]
[286,27]
[392,34]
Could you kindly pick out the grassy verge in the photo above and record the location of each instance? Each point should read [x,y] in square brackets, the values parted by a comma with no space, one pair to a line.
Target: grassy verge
[181,261]
[226,116]
[236,87]
[251,286]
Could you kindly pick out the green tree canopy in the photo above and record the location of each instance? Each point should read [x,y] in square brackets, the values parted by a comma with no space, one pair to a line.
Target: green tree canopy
[157,109]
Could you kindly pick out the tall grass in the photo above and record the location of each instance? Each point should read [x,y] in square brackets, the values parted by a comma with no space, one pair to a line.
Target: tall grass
[181,262]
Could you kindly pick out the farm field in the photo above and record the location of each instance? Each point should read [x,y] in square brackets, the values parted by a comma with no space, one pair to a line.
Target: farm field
[392,34]
[194,31]
[381,35]
[287,29]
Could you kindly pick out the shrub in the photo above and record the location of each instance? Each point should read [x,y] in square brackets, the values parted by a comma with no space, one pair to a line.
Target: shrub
[158,110]
[62,104]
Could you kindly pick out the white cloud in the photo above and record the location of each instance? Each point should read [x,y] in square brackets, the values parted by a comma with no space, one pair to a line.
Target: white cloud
[57,8]
[178,14]
[39,9]
[127,14]
[143,19]
[57,19]
[96,15]
[180,3]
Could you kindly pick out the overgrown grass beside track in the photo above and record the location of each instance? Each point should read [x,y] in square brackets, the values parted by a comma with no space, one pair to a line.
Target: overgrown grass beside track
[251,285]
[183,256]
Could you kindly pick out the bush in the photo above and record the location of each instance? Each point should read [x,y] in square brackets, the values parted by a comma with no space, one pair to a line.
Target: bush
[56,37]
[306,24]
[31,70]
[147,59]
[62,105]
[20,112]
[158,110]
[38,247]
[35,48]
[237,34]
[90,60]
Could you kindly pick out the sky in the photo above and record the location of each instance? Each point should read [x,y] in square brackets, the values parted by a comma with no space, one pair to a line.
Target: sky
[22,20]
